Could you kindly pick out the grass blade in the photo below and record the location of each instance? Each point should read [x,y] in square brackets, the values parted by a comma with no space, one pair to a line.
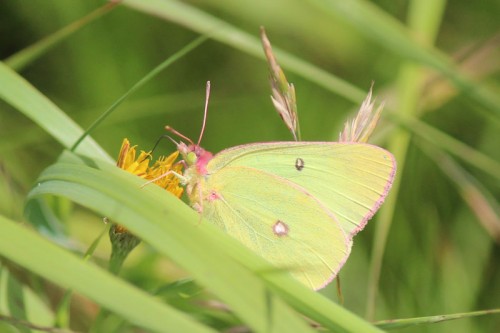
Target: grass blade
[403,323]
[48,260]
[23,58]
[19,93]
[171,227]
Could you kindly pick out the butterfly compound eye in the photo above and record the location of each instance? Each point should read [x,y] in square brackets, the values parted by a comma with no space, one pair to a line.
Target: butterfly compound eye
[191,158]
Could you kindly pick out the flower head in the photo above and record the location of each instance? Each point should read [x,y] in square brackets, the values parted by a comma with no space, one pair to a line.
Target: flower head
[128,162]
[162,166]
[140,166]
[122,241]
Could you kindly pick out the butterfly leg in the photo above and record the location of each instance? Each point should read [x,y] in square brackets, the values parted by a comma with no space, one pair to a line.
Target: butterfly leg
[170,172]
[184,164]
[198,206]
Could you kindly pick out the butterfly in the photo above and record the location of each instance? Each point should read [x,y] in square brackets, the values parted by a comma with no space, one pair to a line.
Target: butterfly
[296,204]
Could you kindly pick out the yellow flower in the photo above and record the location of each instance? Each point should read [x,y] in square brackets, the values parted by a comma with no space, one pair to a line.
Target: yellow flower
[122,240]
[140,167]
[159,170]
[128,162]
[158,173]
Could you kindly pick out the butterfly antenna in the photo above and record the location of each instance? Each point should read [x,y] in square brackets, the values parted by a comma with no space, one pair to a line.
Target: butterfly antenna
[158,141]
[164,136]
[207,96]
[182,136]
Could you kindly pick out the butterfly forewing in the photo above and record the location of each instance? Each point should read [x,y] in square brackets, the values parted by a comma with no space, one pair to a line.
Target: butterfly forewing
[277,219]
[350,179]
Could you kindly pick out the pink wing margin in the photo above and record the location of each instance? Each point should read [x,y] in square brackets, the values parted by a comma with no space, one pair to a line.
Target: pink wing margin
[381,200]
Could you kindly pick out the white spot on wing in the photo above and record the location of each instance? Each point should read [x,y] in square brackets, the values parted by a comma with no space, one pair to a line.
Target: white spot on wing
[280,229]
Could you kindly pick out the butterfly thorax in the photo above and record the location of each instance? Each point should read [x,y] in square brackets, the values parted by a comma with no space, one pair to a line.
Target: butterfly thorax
[196,159]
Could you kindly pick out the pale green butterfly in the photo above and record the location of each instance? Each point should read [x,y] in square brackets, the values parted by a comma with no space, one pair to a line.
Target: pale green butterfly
[297,204]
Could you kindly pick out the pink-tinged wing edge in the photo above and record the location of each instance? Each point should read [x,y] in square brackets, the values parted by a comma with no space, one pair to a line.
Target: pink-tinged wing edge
[293,143]
[380,201]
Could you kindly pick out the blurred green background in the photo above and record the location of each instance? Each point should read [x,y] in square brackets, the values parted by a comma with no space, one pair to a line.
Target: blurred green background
[442,254]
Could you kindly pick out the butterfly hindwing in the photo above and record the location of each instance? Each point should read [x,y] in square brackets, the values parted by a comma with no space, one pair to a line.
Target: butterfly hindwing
[277,219]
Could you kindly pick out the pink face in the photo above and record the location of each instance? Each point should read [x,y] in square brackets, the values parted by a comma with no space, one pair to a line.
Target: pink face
[200,159]
[203,158]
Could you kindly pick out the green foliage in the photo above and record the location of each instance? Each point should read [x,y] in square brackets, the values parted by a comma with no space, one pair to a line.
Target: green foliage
[431,251]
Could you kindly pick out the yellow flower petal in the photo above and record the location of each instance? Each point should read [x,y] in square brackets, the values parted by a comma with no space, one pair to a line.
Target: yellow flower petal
[160,170]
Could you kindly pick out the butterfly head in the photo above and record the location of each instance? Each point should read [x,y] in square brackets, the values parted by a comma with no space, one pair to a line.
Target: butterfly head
[194,155]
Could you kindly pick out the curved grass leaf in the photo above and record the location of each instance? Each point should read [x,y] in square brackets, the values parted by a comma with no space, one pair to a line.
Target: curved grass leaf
[229,270]
[148,213]
[388,32]
[362,15]
[63,268]
[217,29]
[154,72]
[21,59]
[20,302]
[20,94]
[402,323]
[411,79]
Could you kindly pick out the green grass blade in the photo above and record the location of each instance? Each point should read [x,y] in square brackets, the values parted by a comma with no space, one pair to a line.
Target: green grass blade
[62,312]
[448,143]
[410,88]
[48,260]
[203,23]
[171,227]
[157,70]
[476,196]
[388,32]
[19,304]
[21,59]
[403,323]
[365,16]
[20,94]
[174,229]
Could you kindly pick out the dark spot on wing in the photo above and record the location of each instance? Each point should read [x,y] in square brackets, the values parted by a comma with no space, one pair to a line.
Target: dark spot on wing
[299,164]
